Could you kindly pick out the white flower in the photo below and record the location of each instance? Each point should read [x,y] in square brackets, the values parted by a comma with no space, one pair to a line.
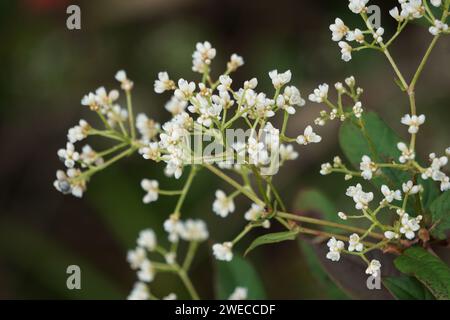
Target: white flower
[357,6]
[355,35]
[335,248]
[338,29]
[151,151]
[280,79]
[354,244]
[320,94]
[413,122]
[290,98]
[409,225]
[105,99]
[434,171]
[377,36]
[308,136]
[163,83]
[175,106]
[136,257]
[126,84]
[414,8]
[68,155]
[185,90]
[436,3]
[391,235]
[173,227]
[257,152]
[223,205]
[148,128]
[223,251]
[390,195]
[66,184]
[202,56]
[152,188]
[147,239]
[326,168]
[235,62]
[240,293]
[146,271]
[438,27]
[194,230]
[287,152]
[140,292]
[251,84]
[409,187]
[407,153]
[342,215]
[89,156]
[254,213]
[397,15]
[116,114]
[358,110]
[367,167]
[346,51]
[78,132]
[361,198]
[373,268]
[170,296]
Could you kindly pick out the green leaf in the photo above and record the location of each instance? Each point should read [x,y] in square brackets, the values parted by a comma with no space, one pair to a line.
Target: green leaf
[314,200]
[407,288]
[440,214]
[238,273]
[328,285]
[428,269]
[379,142]
[272,238]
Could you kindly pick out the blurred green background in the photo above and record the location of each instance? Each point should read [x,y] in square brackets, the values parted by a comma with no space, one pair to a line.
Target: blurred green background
[46,69]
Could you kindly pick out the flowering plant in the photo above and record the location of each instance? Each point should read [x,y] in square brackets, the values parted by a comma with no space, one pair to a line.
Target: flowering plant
[246,149]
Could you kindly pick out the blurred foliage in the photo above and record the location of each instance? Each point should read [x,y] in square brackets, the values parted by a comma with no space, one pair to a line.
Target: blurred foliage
[46,69]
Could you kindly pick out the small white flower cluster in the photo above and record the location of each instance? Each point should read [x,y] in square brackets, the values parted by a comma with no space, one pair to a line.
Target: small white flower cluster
[202,106]
[337,166]
[409,10]
[189,230]
[361,198]
[348,88]
[434,171]
[416,9]
[405,225]
[223,251]
[336,247]
[257,213]
[74,181]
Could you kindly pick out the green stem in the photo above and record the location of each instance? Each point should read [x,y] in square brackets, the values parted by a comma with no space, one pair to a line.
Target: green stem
[193,245]
[234,183]
[422,64]
[327,223]
[188,284]
[130,115]
[185,190]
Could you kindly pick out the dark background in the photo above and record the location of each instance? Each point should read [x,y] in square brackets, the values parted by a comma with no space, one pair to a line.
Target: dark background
[46,69]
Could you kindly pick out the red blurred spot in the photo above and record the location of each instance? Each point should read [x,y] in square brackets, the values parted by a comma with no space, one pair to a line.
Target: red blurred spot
[39,6]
